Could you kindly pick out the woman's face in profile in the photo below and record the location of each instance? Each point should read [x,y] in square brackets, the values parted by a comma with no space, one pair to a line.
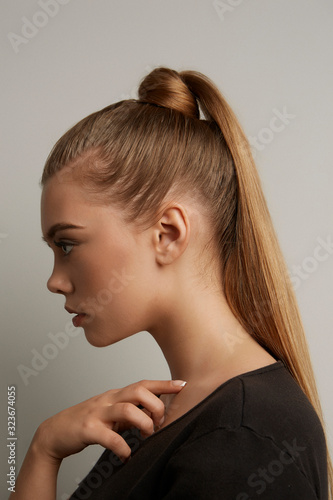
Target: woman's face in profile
[102,265]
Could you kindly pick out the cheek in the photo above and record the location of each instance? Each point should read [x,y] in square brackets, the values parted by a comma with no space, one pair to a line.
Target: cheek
[104,279]
[117,310]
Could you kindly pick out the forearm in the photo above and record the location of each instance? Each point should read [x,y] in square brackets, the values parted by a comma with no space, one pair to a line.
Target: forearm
[37,477]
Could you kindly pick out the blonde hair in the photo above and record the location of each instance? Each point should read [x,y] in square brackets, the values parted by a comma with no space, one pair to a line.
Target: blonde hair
[142,148]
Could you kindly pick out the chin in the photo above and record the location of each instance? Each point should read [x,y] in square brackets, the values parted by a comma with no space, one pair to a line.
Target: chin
[103,337]
[97,340]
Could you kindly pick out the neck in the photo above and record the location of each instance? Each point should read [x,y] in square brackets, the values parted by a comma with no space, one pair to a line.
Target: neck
[202,340]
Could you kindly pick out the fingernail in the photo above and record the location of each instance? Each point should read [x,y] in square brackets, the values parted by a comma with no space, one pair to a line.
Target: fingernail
[179,383]
[161,421]
[125,459]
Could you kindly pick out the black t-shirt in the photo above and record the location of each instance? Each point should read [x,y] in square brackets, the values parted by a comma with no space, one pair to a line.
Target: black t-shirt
[255,437]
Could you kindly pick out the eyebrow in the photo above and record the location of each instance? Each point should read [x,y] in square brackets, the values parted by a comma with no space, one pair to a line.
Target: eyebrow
[60,226]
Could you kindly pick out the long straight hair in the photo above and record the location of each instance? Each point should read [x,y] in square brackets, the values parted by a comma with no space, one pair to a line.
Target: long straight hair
[139,150]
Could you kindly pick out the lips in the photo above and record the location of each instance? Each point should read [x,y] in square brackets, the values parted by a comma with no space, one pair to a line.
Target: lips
[78,319]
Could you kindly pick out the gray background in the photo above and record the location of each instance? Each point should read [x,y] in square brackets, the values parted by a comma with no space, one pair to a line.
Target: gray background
[265,56]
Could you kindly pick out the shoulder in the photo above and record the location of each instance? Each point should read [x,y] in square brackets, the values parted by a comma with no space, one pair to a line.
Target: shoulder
[240,464]
[266,401]
[256,433]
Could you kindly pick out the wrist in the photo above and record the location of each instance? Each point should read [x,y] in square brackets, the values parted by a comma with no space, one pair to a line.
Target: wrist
[39,449]
[38,475]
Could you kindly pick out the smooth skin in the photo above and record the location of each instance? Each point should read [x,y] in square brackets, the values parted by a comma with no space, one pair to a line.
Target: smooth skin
[170,285]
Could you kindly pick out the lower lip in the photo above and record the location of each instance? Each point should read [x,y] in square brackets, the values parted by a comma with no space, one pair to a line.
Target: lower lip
[78,320]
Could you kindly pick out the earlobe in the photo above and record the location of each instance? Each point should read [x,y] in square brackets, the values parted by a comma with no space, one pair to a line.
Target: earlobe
[171,234]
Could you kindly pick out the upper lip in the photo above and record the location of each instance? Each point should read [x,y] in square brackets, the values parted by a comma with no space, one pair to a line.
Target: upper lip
[71,311]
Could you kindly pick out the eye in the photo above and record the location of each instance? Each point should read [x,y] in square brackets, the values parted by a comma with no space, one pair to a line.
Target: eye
[66,247]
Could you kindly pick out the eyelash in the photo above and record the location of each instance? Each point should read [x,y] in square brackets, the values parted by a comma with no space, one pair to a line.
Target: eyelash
[62,245]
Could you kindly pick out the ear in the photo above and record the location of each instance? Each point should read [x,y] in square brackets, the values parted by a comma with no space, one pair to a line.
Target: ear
[171,234]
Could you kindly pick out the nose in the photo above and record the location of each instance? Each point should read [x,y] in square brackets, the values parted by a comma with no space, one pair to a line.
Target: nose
[58,282]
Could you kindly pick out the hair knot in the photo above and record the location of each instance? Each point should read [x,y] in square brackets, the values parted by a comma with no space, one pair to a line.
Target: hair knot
[165,87]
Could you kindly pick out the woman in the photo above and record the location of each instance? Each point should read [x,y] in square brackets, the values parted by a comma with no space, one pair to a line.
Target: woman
[158,222]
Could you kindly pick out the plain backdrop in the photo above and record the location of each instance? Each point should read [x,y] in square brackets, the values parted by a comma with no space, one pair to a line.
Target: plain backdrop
[63,60]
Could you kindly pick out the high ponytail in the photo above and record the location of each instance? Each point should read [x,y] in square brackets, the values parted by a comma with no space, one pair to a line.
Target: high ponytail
[141,149]
[256,282]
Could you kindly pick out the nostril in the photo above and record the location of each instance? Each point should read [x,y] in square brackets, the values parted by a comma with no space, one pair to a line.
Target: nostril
[52,284]
[58,283]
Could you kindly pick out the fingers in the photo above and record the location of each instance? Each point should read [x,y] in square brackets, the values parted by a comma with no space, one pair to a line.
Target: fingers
[98,419]
[132,416]
[154,386]
[162,386]
[112,441]
[115,415]
[144,393]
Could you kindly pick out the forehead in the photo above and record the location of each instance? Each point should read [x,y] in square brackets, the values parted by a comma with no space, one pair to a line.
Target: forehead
[65,200]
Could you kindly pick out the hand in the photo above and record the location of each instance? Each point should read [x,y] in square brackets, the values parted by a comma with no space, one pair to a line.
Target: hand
[98,420]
